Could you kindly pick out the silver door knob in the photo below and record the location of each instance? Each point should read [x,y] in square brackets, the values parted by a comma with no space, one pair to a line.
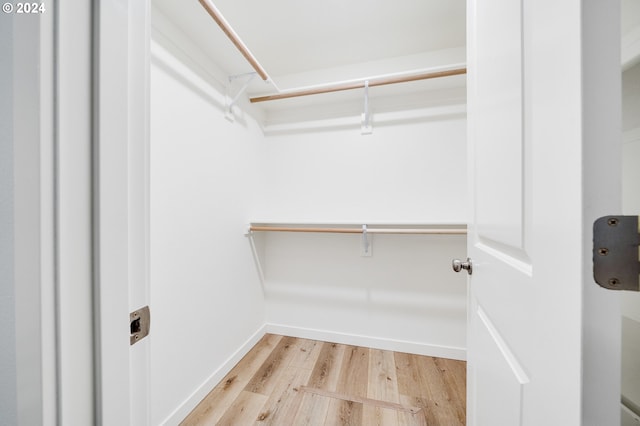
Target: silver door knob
[458,265]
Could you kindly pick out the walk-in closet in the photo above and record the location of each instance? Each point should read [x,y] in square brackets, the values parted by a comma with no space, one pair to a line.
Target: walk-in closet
[356,212]
[331,217]
[308,192]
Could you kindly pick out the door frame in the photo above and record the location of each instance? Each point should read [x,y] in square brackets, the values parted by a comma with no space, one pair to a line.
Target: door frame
[602,196]
[120,207]
[110,205]
[76,119]
[28,370]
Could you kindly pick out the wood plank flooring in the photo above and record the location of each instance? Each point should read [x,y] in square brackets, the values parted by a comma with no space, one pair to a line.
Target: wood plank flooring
[287,381]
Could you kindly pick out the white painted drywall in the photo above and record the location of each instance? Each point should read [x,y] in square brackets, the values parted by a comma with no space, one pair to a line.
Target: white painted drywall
[404,297]
[8,379]
[319,285]
[206,298]
[411,172]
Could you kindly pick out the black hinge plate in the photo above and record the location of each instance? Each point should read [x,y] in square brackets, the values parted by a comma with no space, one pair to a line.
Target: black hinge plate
[615,253]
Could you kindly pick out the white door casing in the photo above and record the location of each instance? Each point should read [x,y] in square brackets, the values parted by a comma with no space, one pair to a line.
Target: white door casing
[138,199]
[28,378]
[542,336]
[531,351]
[121,207]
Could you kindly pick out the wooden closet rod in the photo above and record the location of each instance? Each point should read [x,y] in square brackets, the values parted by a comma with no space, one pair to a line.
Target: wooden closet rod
[437,231]
[359,85]
[235,39]
[244,50]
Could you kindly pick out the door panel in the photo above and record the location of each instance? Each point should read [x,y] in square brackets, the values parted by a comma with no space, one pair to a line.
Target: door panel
[536,178]
[498,163]
[500,369]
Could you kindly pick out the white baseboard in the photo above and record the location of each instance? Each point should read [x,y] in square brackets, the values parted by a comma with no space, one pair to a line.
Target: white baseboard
[198,395]
[368,341]
[629,418]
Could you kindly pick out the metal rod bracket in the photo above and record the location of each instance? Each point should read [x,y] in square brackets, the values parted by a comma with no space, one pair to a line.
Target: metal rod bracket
[231,101]
[366,128]
[366,244]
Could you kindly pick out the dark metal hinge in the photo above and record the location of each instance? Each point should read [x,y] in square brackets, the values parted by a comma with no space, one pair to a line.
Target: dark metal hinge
[615,252]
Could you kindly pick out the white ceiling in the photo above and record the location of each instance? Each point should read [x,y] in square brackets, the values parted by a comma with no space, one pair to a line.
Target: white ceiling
[302,42]
[292,36]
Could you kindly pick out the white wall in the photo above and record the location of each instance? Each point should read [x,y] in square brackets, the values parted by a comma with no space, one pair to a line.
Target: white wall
[631,165]
[408,172]
[206,299]
[404,297]
[8,379]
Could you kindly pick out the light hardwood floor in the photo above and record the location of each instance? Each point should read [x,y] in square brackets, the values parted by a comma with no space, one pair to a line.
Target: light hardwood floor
[289,381]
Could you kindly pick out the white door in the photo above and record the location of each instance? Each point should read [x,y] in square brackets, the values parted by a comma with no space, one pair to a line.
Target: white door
[543,96]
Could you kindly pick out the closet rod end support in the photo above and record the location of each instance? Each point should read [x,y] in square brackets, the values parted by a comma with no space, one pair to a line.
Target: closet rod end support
[228,111]
[366,127]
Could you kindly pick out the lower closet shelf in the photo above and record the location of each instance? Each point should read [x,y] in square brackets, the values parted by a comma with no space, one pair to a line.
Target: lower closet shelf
[457,229]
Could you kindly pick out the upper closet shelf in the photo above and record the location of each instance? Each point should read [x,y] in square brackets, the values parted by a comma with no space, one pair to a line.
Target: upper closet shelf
[364,83]
[373,81]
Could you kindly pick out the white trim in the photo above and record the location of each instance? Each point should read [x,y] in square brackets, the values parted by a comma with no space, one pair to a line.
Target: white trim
[183,410]
[48,172]
[600,118]
[8,355]
[418,348]
[138,200]
[628,416]
[630,48]
[74,215]
[28,121]
[631,135]
[111,211]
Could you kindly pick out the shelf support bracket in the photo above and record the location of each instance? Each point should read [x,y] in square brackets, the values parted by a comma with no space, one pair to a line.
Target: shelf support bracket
[366,245]
[231,101]
[366,128]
